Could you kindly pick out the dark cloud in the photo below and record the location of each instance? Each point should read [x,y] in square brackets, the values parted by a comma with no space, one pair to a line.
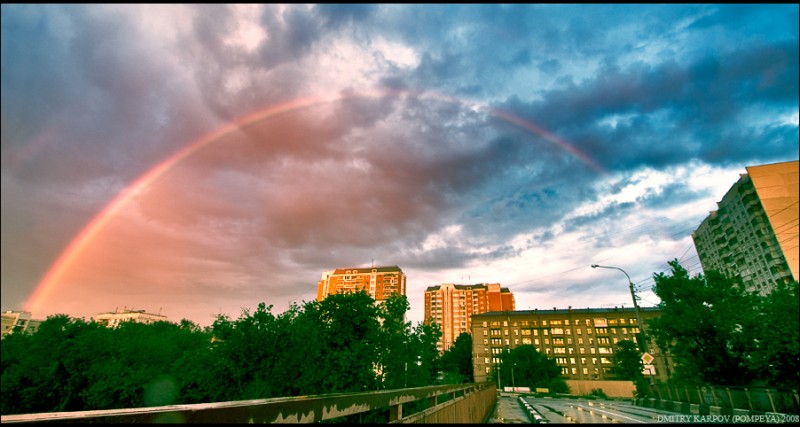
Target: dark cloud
[504,124]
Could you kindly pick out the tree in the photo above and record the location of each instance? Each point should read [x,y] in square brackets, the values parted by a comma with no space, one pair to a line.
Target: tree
[777,358]
[457,360]
[524,366]
[708,323]
[628,365]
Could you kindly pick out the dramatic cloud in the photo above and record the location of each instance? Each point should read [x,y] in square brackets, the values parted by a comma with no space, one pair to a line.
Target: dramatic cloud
[198,159]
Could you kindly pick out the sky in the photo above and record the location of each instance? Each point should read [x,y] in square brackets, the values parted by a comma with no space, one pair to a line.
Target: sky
[196,160]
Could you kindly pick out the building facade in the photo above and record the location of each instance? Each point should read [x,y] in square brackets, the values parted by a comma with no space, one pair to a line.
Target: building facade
[378,282]
[582,341]
[113,319]
[21,321]
[753,234]
[452,306]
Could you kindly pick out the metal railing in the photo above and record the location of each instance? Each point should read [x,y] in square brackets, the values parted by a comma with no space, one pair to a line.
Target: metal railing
[753,399]
[466,402]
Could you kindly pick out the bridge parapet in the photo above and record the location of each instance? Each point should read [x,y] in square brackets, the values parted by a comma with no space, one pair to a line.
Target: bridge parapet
[301,409]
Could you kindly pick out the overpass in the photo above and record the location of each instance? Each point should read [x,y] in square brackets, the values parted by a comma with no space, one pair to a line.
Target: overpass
[462,403]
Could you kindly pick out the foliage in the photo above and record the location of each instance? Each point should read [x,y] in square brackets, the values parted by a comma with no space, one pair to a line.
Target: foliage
[720,334]
[524,366]
[776,358]
[457,360]
[598,392]
[628,363]
[345,343]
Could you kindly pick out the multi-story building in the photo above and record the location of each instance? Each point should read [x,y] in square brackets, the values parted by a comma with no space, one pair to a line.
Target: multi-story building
[582,341]
[21,321]
[753,234]
[452,306]
[113,319]
[378,282]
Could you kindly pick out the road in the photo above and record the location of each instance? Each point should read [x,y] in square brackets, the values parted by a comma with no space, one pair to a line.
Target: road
[510,410]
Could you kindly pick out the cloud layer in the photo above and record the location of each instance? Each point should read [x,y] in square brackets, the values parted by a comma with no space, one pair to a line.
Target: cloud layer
[465,143]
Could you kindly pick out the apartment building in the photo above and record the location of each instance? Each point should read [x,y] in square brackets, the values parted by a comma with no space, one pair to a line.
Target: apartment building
[113,319]
[754,232]
[582,341]
[452,306]
[379,282]
[13,320]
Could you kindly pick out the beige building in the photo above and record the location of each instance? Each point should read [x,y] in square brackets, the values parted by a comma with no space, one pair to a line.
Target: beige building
[451,307]
[582,341]
[378,282]
[113,319]
[754,232]
[18,320]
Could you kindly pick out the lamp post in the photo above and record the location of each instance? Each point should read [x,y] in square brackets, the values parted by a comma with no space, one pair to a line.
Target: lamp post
[640,336]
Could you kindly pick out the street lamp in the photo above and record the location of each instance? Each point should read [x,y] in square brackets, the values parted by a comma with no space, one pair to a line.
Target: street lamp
[640,338]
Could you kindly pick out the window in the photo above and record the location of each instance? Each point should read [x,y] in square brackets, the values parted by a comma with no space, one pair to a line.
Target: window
[600,323]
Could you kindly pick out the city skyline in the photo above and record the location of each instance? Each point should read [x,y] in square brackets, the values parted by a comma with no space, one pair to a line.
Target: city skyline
[200,159]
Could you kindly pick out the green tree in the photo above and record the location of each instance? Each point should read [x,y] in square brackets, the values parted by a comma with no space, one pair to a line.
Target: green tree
[524,366]
[628,365]
[708,324]
[777,358]
[457,360]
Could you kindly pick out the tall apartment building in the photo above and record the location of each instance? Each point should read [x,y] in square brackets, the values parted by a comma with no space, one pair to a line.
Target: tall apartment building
[13,320]
[452,306]
[113,319]
[582,341]
[379,282]
[754,232]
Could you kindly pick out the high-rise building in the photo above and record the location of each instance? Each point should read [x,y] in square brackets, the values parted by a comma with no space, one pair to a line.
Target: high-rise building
[452,306]
[113,319]
[753,234]
[378,282]
[20,321]
[582,341]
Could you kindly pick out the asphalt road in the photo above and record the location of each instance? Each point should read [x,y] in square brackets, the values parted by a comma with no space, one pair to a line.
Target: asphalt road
[510,410]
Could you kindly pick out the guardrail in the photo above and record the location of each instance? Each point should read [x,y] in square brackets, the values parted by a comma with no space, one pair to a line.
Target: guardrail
[749,398]
[302,409]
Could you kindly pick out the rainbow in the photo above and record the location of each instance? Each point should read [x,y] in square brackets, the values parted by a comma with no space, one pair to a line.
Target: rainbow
[102,218]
